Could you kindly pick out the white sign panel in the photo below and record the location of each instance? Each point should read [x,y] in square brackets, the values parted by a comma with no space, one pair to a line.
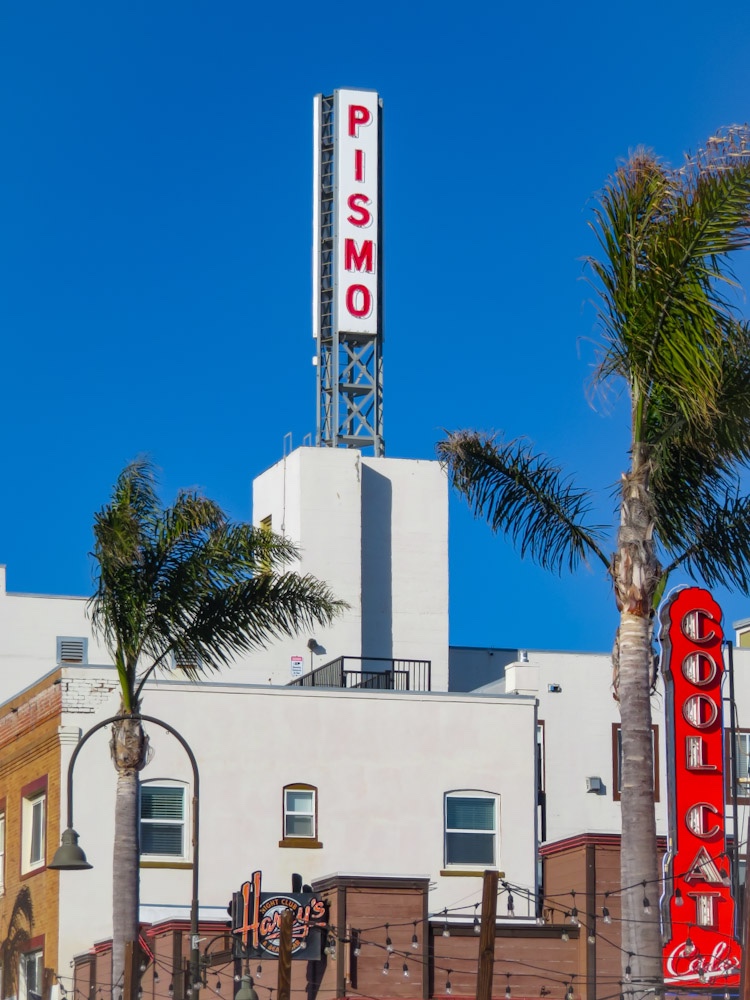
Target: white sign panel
[356,116]
[297,666]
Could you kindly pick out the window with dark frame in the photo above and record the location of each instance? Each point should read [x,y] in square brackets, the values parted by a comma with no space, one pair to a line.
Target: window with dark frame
[470,829]
[742,764]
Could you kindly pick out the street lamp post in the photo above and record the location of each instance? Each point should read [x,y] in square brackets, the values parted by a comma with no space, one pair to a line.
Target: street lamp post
[70,857]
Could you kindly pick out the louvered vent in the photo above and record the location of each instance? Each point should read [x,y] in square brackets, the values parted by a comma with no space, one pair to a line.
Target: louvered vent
[188,660]
[71,649]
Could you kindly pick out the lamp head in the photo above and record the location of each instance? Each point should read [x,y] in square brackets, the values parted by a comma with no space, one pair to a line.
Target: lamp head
[69,856]
[246,991]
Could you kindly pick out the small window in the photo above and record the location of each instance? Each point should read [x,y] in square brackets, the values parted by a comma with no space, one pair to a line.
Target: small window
[30,969]
[471,829]
[300,816]
[2,856]
[617,760]
[72,649]
[33,826]
[742,764]
[163,820]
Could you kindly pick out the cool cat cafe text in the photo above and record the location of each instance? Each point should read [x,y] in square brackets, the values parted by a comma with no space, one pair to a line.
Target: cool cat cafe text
[698,905]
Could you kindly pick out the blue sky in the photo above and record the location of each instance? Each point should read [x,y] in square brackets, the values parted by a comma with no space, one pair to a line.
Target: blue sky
[155,233]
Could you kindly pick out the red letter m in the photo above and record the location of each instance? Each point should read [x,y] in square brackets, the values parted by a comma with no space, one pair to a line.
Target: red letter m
[356,259]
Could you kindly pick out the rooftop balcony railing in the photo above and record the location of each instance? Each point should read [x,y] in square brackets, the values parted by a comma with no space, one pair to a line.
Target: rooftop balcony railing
[378,673]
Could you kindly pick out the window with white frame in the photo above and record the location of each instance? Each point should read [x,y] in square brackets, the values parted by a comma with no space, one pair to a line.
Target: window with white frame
[471,826]
[33,824]
[300,813]
[30,976]
[163,820]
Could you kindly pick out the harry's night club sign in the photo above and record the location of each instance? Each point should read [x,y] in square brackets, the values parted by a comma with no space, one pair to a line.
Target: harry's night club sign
[256,921]
[697,907]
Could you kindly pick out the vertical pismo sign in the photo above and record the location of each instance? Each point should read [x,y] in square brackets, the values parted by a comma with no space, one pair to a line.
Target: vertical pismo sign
[697,907]
[347,268]
[357,210]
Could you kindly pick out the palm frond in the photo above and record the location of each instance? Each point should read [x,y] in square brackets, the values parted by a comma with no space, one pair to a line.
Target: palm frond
[524,496]
[183,584]
[720,550]
[666,236]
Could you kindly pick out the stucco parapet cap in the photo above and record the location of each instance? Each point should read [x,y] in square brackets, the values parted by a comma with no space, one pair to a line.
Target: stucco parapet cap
[286,691]
[407,881]
[741,623]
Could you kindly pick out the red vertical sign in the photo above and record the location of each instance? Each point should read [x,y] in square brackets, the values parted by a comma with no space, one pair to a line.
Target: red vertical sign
[698,908]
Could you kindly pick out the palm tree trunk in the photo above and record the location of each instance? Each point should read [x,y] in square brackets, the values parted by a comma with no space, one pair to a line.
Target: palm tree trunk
[128,747]
[636,572]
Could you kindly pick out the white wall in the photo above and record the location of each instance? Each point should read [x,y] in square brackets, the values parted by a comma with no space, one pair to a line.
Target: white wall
[577,722]
[381,762]
[376,530]
[29,627]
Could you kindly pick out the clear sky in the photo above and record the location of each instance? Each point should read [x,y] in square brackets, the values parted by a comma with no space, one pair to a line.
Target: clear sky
[155,234]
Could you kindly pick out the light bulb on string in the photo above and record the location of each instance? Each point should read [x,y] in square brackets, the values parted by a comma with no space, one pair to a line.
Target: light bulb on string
[702,978]
[388,942]
[414,938]
[170,991]
[565,936]
[259,972]
[143,966]
[156,975]
[448,987]
[507,988]
[217,987]
[357,949]
[574,909]
[386,967]
[628,970]
[646,900]
[592,931]
[477,926]
[446,929]
[406,971]
[606,916]
[689,948]
[511,904]
[678,900]
[569,994]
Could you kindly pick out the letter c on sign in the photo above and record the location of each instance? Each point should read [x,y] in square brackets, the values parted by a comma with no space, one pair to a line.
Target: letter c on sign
[692,626]
[695,820]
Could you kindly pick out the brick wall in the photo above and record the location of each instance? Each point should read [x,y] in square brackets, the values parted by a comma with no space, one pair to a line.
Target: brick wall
[30,752]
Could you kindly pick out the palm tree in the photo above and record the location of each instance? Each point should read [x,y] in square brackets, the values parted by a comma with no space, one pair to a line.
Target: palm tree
[672,337]
[181,585]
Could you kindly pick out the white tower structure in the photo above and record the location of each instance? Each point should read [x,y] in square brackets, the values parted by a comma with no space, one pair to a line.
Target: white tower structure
[376,530]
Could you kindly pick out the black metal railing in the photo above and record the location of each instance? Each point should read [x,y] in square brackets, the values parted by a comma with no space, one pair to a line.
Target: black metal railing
[375,673]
